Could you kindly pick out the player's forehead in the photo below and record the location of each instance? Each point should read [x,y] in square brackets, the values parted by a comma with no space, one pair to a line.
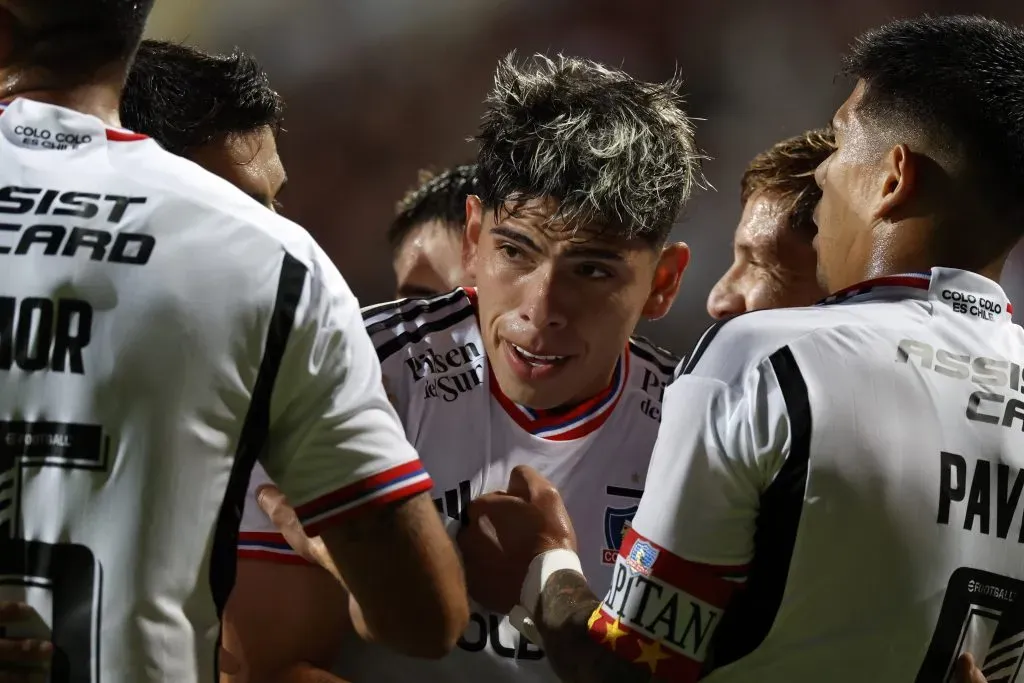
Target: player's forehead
[532,222]
[249,156]
[763,220]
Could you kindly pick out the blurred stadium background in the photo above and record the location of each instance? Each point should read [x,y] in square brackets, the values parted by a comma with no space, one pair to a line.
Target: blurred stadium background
[377,89]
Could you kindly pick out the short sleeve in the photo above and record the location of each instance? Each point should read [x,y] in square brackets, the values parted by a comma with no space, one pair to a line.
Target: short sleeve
[722,441]
[258,538]
[336,446]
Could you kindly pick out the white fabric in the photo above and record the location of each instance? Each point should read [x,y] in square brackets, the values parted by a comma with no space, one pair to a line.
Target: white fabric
[184,330]
[858,465]
[437,376]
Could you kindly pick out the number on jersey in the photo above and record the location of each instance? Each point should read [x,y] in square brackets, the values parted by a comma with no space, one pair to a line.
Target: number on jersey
[982,613]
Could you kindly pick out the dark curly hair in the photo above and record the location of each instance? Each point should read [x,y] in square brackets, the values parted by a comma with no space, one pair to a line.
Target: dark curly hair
[440,196]
[183,97]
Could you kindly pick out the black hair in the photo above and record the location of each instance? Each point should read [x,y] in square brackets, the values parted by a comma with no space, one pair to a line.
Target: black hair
[959,80]
[72,39]
[440,197]
[617,153]
[184,97]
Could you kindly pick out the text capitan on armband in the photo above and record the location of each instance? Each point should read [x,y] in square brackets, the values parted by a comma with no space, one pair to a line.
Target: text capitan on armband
[662,611]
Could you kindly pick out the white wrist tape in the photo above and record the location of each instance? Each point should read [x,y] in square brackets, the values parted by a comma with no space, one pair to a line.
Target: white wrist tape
[541,569]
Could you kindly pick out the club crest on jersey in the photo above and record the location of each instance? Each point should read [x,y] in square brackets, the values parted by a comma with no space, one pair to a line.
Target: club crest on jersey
[641,557]
[616,522]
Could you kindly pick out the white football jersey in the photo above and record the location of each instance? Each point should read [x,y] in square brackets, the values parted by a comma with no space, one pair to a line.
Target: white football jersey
[469,436]
[836,495]
[159,331]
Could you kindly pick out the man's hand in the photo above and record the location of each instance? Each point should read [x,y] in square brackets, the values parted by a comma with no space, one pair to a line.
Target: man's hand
[967,671]
[506,531]
[22,660]
[276,507]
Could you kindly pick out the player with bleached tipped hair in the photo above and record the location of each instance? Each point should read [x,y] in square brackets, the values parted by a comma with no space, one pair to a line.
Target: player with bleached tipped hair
[582,172]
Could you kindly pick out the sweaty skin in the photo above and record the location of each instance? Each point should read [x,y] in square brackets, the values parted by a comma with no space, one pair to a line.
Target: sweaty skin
[429,261]
[773,265]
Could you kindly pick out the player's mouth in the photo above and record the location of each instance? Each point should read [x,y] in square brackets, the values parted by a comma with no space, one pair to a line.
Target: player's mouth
[528,365]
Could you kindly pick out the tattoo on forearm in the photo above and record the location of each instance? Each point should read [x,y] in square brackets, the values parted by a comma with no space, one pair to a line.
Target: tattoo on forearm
[566,604]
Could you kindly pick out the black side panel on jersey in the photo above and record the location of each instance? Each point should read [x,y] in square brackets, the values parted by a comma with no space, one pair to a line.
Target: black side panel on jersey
[705,341]
[253,438]
[702,346]
[752,612]
[663,359]
[404,310]
[452,309]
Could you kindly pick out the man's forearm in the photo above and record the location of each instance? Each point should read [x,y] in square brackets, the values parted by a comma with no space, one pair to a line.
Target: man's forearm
[563,618]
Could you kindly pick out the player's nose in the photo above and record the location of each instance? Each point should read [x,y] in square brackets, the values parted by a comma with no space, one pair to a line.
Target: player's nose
[725,301]
[541,305]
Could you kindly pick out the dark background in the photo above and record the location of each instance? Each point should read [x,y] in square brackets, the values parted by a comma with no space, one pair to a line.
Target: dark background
[377,89]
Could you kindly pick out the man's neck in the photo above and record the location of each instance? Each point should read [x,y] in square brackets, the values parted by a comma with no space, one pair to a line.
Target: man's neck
[909,247]
[100,98]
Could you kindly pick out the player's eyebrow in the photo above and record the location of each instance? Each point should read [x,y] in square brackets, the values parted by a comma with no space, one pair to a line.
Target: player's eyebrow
[515,236]
[584,251]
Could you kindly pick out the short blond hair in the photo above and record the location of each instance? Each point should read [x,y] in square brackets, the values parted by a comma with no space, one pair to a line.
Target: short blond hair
[785,171]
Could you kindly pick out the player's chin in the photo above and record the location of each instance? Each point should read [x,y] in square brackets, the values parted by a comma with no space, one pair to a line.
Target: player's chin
[537,393]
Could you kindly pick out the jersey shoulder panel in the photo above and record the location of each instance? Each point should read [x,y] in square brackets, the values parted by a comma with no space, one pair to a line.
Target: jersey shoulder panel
[732,347]
[407,327]
[649,355]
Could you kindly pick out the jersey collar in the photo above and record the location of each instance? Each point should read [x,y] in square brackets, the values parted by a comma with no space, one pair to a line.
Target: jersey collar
[565,424]
[75,126]
[568,423]
[963,292]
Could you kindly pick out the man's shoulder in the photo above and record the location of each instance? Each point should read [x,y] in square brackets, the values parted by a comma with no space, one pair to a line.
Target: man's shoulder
[730,348]
[648,355]
[438,326]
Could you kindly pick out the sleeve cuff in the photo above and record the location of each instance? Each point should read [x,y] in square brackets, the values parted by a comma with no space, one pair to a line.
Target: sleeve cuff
[394,484]
[267,547]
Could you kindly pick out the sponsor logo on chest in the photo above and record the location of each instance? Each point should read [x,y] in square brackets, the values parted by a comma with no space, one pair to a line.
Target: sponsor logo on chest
[449,374]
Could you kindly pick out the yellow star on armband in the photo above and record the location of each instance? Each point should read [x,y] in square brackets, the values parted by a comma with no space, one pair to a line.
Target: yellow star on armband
[651,655]
[593,618]
[613,633]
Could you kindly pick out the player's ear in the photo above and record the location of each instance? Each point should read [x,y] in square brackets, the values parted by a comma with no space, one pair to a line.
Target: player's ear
[471,235]
[668,275]
[899,177]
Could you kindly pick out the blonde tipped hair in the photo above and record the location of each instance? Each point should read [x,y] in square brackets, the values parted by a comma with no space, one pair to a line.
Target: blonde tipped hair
[617,153]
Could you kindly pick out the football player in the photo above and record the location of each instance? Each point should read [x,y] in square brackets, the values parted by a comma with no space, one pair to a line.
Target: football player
[582,171]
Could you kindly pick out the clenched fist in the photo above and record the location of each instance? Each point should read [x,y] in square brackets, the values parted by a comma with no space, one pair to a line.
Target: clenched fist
[506,530]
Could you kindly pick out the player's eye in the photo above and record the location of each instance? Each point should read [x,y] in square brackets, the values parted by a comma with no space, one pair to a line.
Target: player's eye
[511,252]
[594,271]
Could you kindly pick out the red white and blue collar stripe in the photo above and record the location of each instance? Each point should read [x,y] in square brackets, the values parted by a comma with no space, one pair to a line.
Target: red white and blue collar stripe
[919,281]
[572,423]
[941,284]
